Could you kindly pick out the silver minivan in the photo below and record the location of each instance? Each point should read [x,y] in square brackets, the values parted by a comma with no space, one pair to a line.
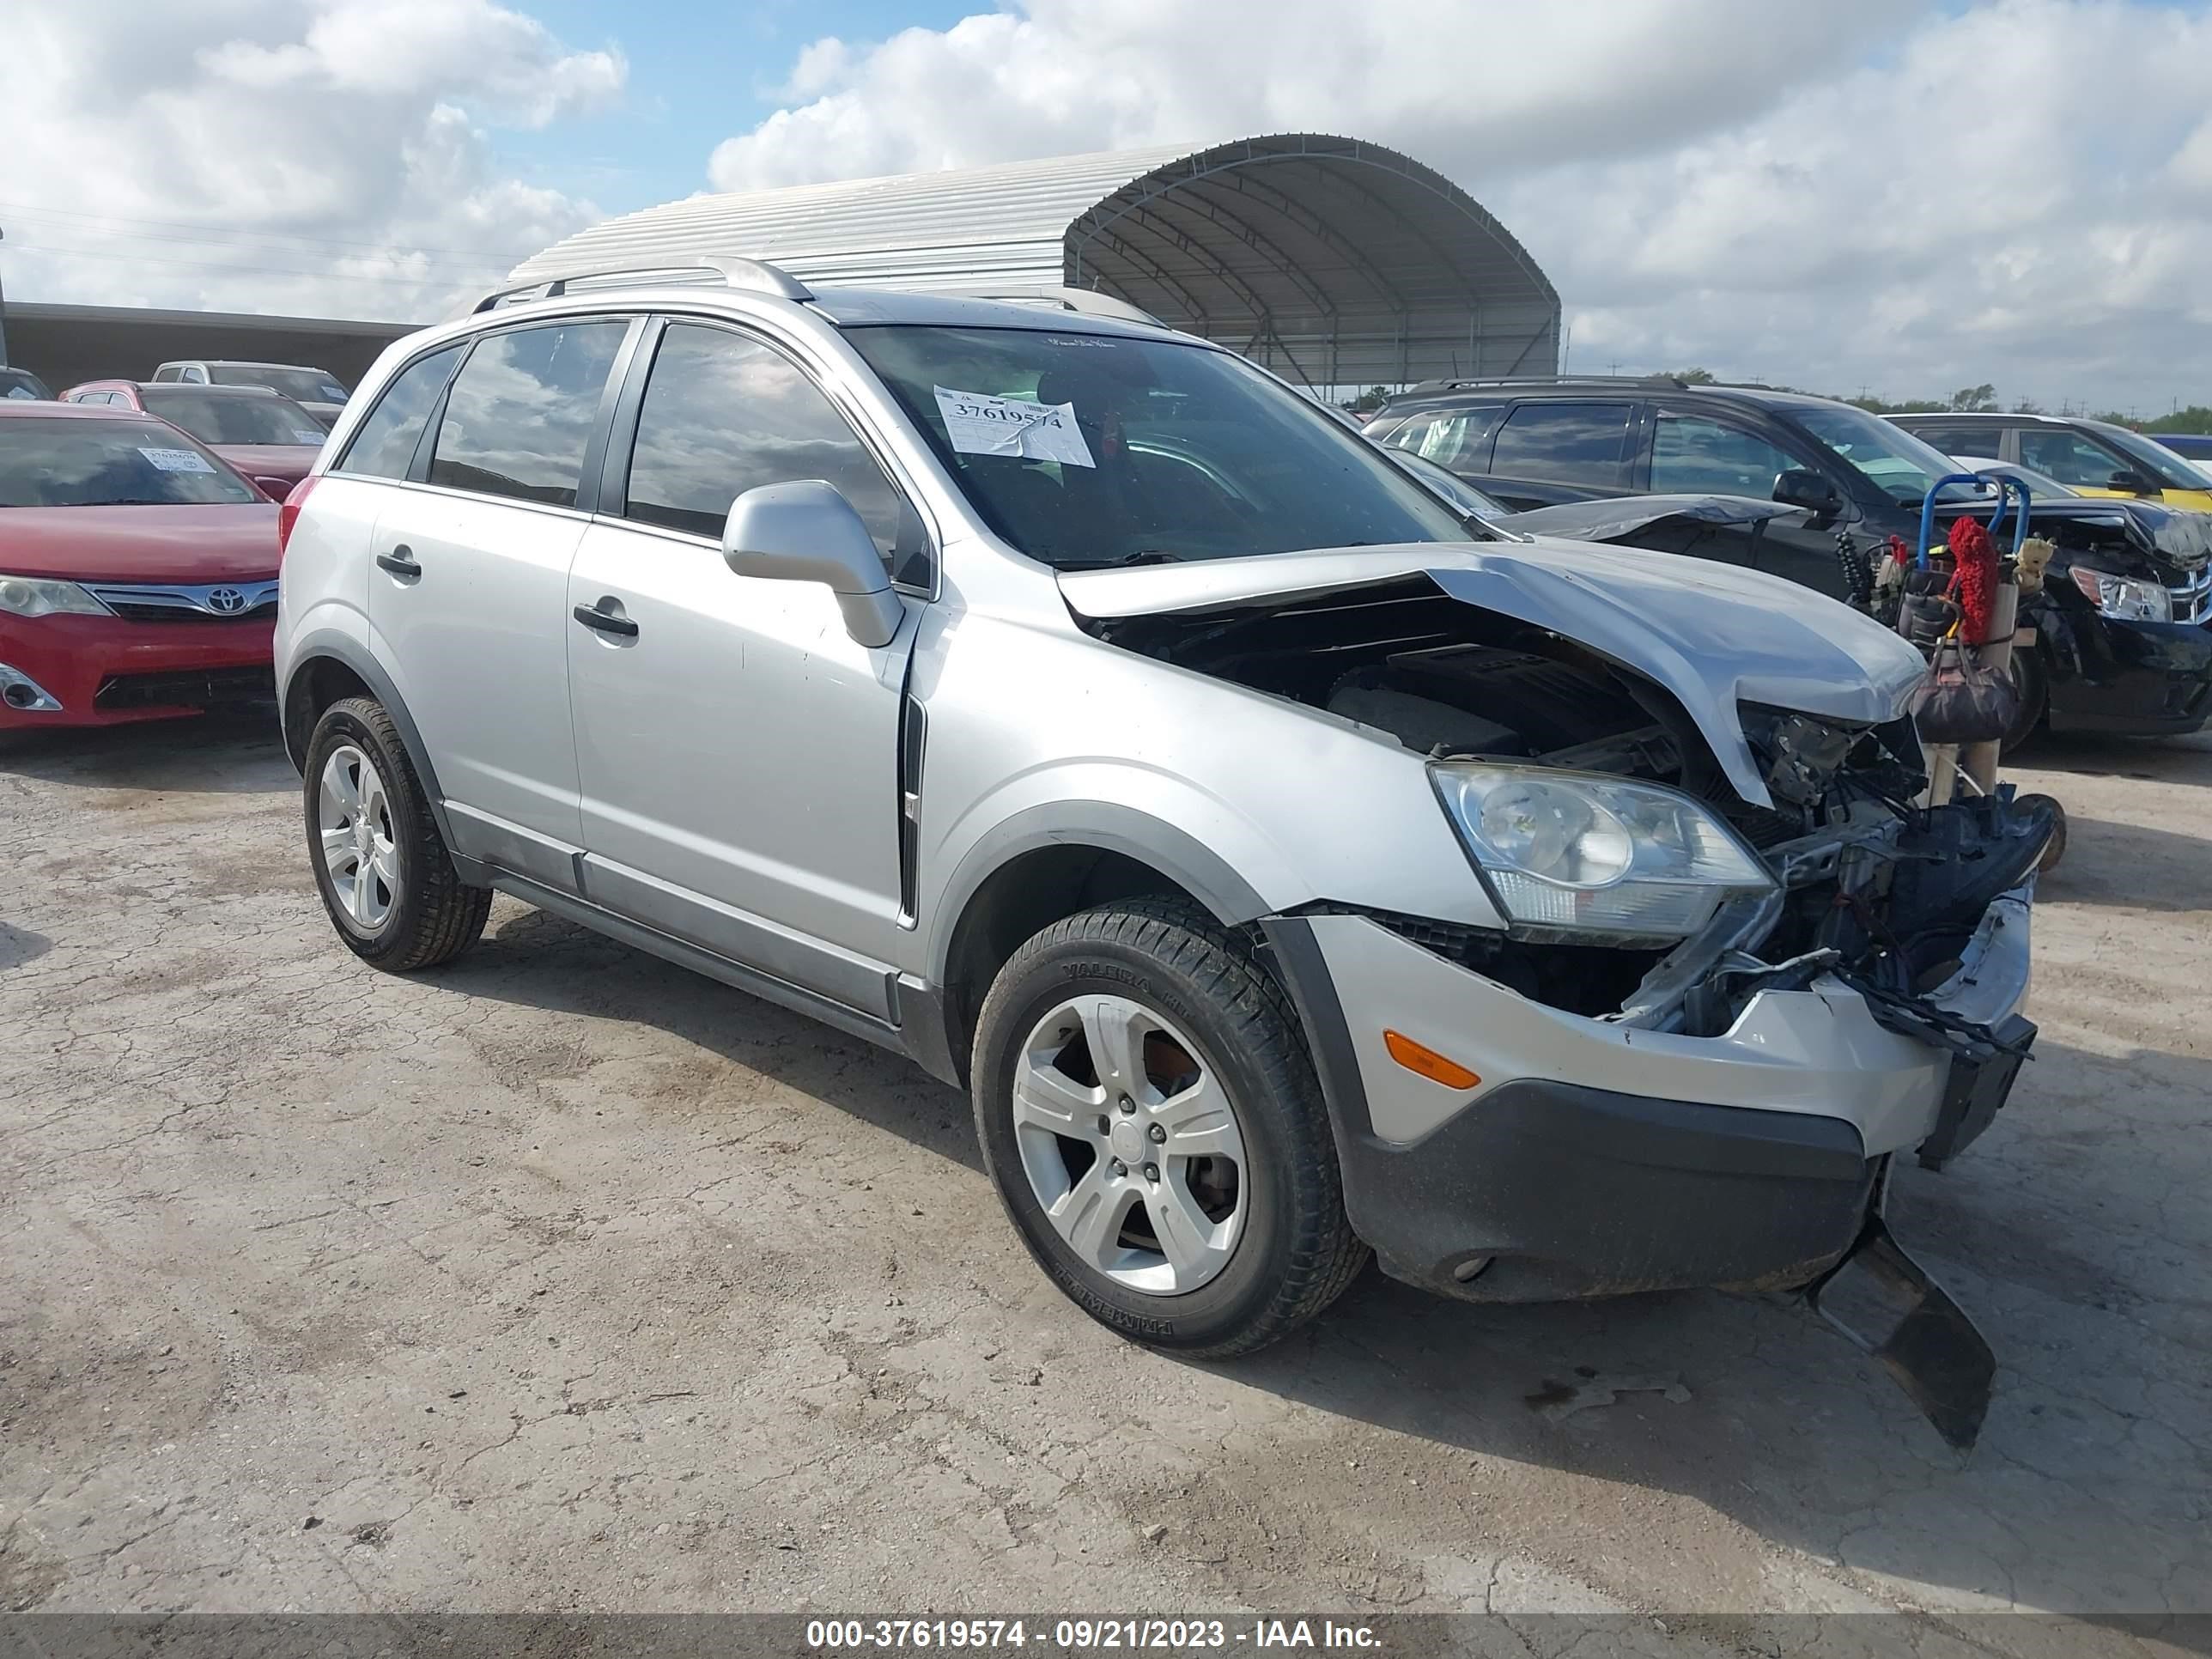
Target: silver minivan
[1289,866]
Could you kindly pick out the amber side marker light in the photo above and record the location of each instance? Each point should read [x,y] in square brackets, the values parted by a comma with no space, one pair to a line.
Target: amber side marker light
[1425,1061]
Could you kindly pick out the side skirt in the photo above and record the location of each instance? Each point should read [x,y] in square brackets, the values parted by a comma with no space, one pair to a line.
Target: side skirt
[751,981]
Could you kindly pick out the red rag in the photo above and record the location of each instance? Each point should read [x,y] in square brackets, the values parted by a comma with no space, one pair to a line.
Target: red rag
[1975,583]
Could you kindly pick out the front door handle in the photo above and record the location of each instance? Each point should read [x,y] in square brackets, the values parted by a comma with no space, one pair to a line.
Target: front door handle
[607,622]
[400,561]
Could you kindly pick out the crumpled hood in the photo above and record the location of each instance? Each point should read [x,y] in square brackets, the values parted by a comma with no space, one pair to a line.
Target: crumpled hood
[1712,635]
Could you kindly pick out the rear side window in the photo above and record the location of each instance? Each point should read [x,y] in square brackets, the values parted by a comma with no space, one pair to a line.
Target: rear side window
[722,415]
[1453,437]
[1571,443]
[1956,441]
[521,410]
[385,444]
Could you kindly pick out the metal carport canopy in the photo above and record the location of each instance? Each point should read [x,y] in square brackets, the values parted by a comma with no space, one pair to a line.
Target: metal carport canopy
[1334,261]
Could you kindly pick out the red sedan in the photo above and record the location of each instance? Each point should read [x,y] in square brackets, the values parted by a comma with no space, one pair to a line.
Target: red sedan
[269,438]
[137,572]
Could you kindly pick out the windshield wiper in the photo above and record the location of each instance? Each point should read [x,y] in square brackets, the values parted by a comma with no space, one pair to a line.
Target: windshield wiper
[1147,555]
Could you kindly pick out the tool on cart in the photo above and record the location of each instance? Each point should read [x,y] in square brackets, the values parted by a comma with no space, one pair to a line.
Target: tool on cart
[1962,609]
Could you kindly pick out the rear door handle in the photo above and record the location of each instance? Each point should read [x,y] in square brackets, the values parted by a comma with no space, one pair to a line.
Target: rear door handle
[607,622]
[400,561]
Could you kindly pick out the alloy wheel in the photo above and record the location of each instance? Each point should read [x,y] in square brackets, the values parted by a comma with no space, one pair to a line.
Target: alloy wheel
[353,816]
[1131,1145]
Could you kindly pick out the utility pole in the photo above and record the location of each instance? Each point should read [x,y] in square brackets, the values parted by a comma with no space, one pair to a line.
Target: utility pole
[3,320]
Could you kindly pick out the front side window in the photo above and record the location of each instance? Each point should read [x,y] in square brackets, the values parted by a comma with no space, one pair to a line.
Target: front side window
[1691,455]
[520,412]
[384,445]
[82,461]
[217,418]
[2070,457]
[1899,464]
[1082,450]
[723,414]
[2154,461]
[1565,443]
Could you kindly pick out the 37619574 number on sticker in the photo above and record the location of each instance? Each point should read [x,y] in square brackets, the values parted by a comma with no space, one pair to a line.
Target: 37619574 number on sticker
[1064,1635]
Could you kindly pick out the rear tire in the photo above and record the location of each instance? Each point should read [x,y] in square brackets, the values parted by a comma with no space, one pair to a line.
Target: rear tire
[1278,1248]
[380,864]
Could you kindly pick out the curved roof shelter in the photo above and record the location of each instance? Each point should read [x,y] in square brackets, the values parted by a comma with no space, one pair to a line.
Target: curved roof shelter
[1333,261]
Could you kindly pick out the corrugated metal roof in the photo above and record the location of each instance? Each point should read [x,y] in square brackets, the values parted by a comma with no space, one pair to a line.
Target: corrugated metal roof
[1333,259]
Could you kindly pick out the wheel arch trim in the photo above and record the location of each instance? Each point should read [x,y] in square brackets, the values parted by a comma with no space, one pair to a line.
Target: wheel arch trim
[331,645]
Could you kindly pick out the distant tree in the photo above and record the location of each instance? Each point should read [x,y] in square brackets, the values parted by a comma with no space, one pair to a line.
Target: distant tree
[2027,406]
[1369,400]
[1973,399]
[2195,418]
[1693,376]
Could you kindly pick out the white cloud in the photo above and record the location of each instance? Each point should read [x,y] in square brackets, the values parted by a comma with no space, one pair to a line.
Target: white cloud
[300,155]
[1906,195]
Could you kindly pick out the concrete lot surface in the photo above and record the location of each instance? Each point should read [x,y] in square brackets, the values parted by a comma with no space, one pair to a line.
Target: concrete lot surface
[563,1278]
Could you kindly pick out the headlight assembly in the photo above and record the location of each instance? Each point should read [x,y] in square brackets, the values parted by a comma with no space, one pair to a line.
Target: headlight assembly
[36,596]
[2124,597]
[1584,853]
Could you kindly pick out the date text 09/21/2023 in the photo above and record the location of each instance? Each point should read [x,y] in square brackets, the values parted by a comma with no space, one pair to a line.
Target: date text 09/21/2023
[1092,1635]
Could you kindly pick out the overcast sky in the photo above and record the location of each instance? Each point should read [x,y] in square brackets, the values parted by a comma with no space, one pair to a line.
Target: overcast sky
[1903,196]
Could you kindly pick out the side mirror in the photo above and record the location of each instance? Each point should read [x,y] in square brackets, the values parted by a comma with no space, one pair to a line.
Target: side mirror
[806,531]
[1800,486]
[2132,482]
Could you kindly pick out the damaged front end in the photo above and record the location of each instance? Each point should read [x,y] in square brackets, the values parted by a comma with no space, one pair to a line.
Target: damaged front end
[1670,1093]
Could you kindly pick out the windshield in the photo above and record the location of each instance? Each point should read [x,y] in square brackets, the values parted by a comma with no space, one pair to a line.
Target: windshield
[222,417]
[76,462]
[1083,450]
[1905,468]
[309,385]
[22,383]
[2167,469]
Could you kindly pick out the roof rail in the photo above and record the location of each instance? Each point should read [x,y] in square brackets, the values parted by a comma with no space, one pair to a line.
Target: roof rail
[1084,302]
[1670,380]
[754,276]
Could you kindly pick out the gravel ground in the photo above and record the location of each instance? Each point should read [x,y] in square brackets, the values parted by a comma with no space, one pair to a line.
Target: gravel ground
[563,1278]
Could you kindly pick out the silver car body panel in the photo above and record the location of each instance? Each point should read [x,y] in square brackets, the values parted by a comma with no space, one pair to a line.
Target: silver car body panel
[555,766]
[1818,1051]
[1712,635]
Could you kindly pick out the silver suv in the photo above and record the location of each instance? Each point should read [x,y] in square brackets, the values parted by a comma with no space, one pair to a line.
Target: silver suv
[1285,864]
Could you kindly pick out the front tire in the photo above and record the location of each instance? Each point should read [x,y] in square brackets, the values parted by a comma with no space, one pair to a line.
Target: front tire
[2033,681]
[380,864]
[1151,1117]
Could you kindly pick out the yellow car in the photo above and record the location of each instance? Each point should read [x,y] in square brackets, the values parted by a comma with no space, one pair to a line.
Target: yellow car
[2092,458]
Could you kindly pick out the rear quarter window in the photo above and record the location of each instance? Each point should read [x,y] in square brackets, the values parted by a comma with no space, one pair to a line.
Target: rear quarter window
[383,446]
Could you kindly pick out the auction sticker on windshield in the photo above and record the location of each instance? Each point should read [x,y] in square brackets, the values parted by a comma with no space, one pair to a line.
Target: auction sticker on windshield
[979,423]
[177,460]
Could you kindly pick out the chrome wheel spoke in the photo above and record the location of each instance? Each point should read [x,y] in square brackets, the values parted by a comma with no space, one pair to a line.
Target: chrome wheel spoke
[1089,1217]
[1115,1031]
[339,853]
[1046,1097]
[1188,1238]
[1200,1123]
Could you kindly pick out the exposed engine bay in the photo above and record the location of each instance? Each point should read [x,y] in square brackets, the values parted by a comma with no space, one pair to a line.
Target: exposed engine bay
[1871,888]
